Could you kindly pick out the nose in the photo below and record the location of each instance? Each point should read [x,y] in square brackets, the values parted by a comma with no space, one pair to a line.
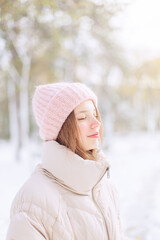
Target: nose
[95,123]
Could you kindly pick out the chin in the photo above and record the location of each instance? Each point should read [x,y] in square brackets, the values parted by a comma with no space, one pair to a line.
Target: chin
[92,147]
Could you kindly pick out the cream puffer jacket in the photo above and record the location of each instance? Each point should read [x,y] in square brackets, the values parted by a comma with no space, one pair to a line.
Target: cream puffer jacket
[66,198]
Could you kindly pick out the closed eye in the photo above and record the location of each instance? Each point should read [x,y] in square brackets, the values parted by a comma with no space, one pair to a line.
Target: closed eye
[82,118]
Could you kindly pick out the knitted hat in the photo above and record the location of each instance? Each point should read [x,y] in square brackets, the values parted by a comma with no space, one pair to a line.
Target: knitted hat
[52,104]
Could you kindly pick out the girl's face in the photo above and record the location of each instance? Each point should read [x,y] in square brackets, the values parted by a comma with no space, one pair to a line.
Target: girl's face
[88,125]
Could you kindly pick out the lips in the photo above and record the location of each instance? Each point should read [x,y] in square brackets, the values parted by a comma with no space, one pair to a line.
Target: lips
[95,135]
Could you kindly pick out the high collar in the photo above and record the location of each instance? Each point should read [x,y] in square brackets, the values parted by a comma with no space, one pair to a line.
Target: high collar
[70,170]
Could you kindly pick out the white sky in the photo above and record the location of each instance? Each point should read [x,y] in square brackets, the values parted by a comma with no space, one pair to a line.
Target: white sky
[140,28]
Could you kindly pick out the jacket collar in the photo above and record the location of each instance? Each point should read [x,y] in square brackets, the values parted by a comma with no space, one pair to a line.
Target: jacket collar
[70,170]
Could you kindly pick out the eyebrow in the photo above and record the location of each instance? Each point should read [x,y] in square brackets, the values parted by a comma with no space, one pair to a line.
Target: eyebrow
[84,111]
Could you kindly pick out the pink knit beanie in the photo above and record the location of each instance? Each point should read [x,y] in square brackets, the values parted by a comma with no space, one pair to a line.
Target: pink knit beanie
[52,104]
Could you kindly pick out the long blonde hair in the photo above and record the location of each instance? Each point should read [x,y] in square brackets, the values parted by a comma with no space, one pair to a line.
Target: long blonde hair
[69,137]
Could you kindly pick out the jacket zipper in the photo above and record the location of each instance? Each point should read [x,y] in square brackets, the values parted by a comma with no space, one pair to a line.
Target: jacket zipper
[97,206]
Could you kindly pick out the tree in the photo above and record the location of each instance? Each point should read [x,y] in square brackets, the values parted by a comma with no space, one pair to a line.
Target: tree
[50,41]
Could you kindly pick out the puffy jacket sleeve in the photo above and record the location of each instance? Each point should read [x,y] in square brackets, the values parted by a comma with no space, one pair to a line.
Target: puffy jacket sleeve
[23,227]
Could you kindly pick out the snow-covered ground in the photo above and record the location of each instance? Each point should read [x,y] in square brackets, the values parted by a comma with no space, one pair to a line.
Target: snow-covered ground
[135,170]
[135,161]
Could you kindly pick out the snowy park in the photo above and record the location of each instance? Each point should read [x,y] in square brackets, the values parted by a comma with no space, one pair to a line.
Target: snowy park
[135,167]
[113,48]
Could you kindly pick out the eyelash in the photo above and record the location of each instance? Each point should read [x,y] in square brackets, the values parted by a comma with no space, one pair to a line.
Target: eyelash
[86,117]
[81,118]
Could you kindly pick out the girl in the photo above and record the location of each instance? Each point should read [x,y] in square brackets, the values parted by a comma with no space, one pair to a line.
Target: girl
[69,196]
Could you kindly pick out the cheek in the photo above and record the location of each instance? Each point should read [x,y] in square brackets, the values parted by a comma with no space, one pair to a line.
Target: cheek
[83,127]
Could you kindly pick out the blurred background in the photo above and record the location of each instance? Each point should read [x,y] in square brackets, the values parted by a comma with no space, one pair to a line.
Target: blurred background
[114,48]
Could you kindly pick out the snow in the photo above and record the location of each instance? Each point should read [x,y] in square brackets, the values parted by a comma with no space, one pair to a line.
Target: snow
[135,167]
[135,171]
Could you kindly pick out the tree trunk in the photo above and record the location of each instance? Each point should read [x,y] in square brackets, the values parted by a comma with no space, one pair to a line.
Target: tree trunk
[24,112]
[13,118]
